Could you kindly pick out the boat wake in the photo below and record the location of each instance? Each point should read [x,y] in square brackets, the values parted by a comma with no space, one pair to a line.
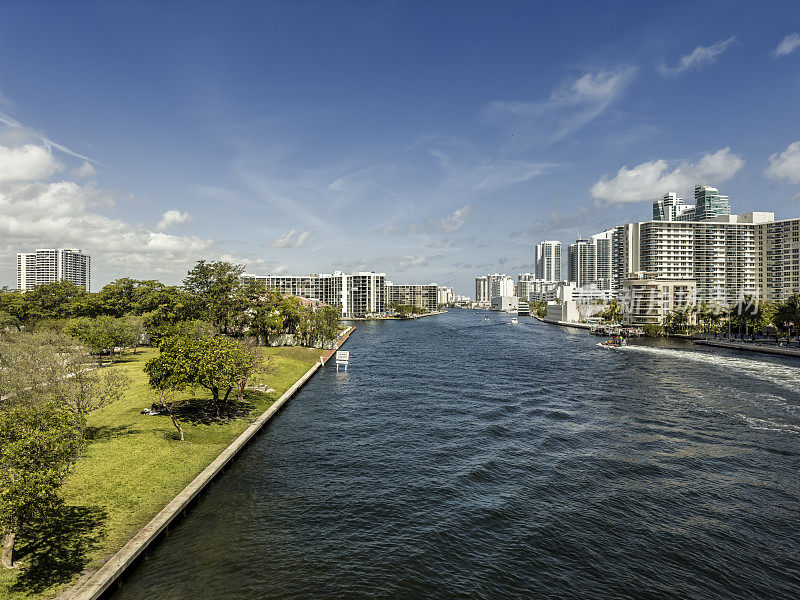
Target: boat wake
[782,375]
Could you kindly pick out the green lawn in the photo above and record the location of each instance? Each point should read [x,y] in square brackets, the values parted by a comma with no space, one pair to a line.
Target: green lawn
[133,466]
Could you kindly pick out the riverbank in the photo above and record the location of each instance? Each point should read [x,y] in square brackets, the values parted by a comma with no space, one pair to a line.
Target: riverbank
[428,314]
[133,467]
[751,347]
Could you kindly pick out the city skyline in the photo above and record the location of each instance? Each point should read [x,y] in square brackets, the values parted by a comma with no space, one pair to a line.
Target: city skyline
[408,150]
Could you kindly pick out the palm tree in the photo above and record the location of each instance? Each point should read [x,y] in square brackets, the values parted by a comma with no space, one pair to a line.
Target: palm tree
[788,315]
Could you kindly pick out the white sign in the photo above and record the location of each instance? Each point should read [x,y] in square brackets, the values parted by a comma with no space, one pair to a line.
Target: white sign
[342,358]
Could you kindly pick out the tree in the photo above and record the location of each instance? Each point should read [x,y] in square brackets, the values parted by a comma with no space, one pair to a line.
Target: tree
[215,363]
[58,300]
[613,311]
[52,367]
[39,443]
[216,285]
[787,315]
[7,321]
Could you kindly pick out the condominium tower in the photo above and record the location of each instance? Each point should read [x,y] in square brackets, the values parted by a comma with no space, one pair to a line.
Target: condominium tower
[48,265]
[357,294]
[547,260]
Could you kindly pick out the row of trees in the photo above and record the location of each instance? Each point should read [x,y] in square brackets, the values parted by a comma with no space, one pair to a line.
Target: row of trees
[746,317]
[214,292]
[48,386]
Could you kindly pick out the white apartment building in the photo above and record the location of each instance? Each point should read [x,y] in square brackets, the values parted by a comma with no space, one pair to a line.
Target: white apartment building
[719,254]
[547,261]
[500,285]
[482,289]
[648,298]
[778,250]
[423,296]
[48,265]
[530,288]
[445,295]
[357,294]
[590,261]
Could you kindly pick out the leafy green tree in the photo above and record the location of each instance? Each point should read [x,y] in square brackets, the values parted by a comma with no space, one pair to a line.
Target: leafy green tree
[13,303]
[39,443]
[59,300]
[613,312]
[216,363]
[216,285]
[787,315]
[8,321]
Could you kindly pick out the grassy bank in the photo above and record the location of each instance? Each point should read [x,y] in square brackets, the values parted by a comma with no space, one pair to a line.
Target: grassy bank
[132,467]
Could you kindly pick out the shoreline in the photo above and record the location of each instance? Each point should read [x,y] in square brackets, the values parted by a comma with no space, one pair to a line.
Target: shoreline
[99,583]
[751,347]
[430,314]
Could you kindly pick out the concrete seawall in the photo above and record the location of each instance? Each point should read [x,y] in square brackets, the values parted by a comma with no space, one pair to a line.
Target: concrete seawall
[101,583]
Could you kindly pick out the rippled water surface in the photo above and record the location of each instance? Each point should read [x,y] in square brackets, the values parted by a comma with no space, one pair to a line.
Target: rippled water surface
[460,458]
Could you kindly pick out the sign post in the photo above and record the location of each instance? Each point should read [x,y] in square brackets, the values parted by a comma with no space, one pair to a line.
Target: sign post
[342,358]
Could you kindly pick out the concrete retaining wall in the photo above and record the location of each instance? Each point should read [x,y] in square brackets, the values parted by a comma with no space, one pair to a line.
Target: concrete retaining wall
[101,581]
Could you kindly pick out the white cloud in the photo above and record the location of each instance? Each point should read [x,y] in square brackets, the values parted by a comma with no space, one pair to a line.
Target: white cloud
[785,165]
[699,58]
[788,45]
[455,221]
[653,179]
[291,239]
[572,104]
[67,214]
[85,170]
[26,163]
[172,217]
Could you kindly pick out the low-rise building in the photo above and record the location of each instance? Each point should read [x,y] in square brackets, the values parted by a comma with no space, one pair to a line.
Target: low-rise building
[647,299]
[506,303]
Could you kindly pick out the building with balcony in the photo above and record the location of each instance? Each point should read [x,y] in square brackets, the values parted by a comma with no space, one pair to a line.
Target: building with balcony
[49,265]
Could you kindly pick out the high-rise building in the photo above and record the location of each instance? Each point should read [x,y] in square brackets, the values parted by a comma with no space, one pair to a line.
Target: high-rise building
[778,249]
[590,261]
[580,261]
[709,204]
[445,295]
[482,289]
[357,294]
[500,285]
[547,261]
[718,254]
[48,265]
[672,208]
[423,296]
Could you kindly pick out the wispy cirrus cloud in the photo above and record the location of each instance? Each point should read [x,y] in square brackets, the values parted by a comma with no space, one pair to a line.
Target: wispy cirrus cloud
[46,142]
[291,239]
[697,59]
[450,223]
[388,264]
[652,179]
[574,103]
[787,45]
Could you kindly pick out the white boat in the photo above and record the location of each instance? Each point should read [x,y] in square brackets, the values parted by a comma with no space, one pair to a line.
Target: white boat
[514,321]
[485,318]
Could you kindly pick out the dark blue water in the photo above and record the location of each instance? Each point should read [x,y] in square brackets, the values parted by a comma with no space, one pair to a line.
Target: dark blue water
[460,458]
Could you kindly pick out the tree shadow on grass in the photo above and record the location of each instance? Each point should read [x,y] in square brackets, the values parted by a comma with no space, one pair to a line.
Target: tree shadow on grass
[200,411]
[106,432]
[54,552]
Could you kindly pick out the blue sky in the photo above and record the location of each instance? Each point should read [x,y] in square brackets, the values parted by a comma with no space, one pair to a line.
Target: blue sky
[435,141]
